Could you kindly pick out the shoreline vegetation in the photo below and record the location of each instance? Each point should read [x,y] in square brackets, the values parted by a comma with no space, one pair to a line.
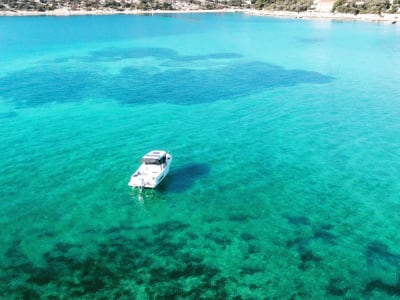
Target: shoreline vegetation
[385,18]
[391,18]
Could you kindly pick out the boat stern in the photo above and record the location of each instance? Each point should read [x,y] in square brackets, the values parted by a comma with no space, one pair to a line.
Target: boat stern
[141,182]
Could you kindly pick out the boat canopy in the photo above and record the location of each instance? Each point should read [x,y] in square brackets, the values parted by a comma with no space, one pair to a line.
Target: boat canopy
[154,158]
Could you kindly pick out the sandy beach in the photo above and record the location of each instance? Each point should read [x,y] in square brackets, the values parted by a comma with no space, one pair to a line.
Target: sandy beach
[383,18]
[70,12]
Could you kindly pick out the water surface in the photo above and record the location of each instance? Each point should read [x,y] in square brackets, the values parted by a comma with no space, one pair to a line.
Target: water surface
[285,136]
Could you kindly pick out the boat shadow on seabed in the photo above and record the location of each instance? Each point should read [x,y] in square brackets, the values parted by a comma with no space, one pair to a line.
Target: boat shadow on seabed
[177,181]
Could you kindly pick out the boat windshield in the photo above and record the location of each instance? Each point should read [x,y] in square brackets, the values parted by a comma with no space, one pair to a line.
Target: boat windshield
[154,159]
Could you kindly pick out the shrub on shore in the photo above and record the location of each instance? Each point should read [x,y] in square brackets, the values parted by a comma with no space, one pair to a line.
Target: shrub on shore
[342,6]
[286,5]
[366,6]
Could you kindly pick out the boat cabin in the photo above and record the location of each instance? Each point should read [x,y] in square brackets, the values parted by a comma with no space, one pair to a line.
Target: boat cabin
[155,158]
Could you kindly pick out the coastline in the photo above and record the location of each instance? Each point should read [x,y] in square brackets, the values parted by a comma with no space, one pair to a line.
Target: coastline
[96,12]
[383,18]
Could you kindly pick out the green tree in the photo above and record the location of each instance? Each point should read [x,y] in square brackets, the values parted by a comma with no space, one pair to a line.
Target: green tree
[259,4]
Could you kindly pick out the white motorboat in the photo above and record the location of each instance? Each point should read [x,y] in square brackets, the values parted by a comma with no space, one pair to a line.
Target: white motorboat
[155,166]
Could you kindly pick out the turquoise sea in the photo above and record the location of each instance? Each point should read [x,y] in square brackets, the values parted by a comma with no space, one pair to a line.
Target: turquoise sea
[285,134]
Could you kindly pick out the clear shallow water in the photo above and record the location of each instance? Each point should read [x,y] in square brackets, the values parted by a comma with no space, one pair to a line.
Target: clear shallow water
[285,136]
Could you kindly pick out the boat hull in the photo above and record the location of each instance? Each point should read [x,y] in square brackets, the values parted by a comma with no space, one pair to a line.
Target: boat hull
[150,176]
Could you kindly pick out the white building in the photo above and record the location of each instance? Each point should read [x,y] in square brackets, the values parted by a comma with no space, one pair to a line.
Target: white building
[323,5]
